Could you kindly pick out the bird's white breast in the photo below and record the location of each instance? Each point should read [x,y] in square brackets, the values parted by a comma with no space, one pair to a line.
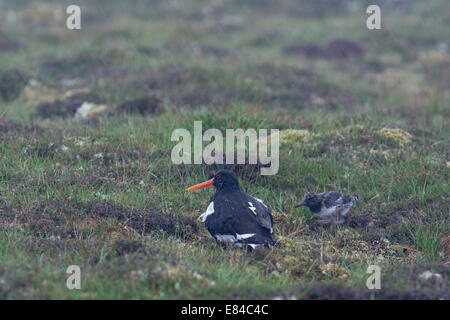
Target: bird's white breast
[334,210]
[327,212]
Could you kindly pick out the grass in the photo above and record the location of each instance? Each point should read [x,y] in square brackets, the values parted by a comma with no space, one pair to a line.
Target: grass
[427,239]
[103,193]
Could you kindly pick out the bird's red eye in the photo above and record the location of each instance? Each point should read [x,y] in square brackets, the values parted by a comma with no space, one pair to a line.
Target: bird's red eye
[218,176]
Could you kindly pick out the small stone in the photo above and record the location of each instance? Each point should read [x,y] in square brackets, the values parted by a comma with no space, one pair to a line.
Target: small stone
[89,110]
[427,275]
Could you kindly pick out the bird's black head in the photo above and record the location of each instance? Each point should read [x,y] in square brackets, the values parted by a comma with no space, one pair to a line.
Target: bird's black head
[311,200]
[223,180]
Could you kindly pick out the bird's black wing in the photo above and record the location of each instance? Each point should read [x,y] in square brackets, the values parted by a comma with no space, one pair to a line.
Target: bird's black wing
[241,216]
[332,198]
[261,212]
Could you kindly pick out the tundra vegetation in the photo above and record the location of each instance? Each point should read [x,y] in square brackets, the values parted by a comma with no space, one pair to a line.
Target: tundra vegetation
[85,139]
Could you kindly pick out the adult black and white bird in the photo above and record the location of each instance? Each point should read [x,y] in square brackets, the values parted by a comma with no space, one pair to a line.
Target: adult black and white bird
[235,216]
[330,207]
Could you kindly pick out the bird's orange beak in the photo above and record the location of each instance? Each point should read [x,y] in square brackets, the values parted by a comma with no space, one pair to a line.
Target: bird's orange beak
[201,185]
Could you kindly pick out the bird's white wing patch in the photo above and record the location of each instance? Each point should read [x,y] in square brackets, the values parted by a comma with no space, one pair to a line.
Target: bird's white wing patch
[209,211]
[252,208]
[244,236]
[225,237]
[253,245]
[231,238]
[261,202]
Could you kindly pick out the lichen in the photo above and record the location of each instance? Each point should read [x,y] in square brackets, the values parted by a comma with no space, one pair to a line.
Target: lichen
[287,242]
[396,135]
[35,92]
[333,269]
[292,136]
[289,137]
[387,154]
[354,128]
[434,57]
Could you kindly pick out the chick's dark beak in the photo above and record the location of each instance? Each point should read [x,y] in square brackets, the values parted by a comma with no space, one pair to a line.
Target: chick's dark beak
[303,203]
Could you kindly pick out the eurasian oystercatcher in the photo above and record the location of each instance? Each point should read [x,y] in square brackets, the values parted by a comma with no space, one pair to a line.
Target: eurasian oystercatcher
[234,216]
[331,207]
